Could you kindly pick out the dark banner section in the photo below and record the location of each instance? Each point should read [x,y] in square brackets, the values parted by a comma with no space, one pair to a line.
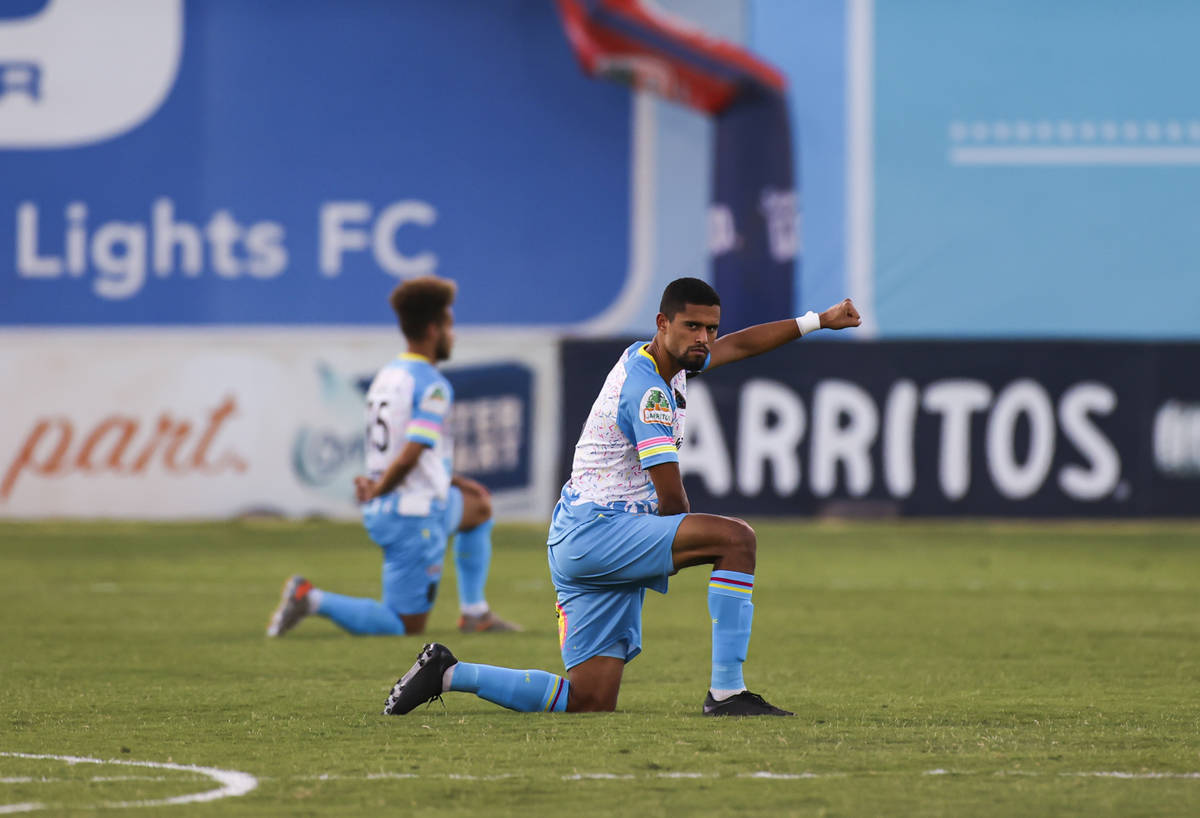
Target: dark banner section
[754,230]
[999,428]
[490,421]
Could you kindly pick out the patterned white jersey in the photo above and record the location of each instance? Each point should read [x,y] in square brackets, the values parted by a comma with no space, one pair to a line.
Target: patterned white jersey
[410,400]
[636,422]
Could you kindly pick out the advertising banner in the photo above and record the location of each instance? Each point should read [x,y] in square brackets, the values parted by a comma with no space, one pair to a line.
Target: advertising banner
[286,163]
[157,424]
[929,428]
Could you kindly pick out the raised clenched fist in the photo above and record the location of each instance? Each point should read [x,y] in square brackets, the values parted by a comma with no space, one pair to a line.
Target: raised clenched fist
[841,316]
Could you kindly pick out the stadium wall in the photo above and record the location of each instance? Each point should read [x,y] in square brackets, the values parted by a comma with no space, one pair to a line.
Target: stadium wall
[196,245]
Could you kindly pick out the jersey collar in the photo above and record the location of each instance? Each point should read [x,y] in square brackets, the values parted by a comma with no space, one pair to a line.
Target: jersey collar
[642,351]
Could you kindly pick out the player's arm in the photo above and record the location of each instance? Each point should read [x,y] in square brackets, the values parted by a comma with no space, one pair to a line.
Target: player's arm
[762,338]
[668,485]
[367,489]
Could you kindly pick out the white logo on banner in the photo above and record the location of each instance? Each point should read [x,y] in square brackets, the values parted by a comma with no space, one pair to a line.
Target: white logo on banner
[1177,439]
[847,423]
[722,234]
[781,210]
[80,71]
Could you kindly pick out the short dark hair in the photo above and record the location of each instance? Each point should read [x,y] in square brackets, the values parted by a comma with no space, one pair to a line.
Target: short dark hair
[421,302]
[683,291]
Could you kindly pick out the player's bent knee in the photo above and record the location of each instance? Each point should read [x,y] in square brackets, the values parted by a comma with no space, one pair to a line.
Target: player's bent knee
[742,537]
[485,507]
[595,684]
[741,544]
[584,702]
[477,508]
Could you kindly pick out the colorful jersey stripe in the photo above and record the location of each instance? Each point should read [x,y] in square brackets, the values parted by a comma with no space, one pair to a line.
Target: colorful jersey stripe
[423,431]
[650,442]
[652,446]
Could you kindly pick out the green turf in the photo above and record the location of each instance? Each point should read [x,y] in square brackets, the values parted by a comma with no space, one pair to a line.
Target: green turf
[936,669]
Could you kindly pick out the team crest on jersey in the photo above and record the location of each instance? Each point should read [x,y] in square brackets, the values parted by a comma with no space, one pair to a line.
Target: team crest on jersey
[436,400]
[656,408]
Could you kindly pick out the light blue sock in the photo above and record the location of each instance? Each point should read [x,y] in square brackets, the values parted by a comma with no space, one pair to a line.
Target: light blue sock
[526,691]
[358,615]
[732,612]
[472,558]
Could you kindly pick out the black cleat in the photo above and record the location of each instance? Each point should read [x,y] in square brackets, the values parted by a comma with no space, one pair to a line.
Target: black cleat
[742,704]
[422,683]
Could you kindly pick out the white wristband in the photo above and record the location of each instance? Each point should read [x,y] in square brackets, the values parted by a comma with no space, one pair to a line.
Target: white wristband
[808,322]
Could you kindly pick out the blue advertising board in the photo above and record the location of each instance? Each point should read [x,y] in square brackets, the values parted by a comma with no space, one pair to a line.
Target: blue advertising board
[277,162]
[1035,169]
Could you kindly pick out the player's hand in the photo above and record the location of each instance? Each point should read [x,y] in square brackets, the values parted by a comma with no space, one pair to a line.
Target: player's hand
[841,316]
[364,489]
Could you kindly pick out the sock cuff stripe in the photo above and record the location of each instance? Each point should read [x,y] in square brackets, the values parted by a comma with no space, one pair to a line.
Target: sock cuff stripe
[552,701]
[735,589]
[734,578]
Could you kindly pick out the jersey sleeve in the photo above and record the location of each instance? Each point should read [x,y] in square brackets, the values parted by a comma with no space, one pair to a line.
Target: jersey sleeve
[431,406]
[646,415]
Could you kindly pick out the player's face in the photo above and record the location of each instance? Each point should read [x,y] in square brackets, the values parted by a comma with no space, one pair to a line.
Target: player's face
[690,333]
[445,335]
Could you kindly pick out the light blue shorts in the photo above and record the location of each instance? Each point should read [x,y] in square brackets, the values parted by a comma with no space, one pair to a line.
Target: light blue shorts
[414,551]
[601,568]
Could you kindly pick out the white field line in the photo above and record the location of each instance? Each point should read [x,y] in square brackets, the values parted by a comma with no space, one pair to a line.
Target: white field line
[759,775]
[764,775]
[95,779]
[1132,775]
[1094,774]
[232,782]
[395,777]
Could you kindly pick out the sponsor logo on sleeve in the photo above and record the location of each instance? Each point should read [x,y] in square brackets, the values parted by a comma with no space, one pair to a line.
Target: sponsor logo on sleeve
[656,408]
[436,400]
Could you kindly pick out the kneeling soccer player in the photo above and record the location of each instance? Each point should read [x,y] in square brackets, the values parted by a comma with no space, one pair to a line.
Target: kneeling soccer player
[411,502]
[623,525]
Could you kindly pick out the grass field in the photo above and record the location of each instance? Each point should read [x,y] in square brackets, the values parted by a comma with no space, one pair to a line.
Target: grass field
[964,669]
